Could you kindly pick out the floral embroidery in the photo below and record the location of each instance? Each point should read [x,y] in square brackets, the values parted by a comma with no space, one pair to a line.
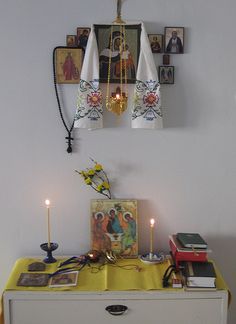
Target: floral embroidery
[147,100]
[151,99]
[94,99]
[89,102]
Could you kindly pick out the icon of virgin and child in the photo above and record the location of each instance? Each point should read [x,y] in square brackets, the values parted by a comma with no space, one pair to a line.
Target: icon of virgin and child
[114,230]
[118,52]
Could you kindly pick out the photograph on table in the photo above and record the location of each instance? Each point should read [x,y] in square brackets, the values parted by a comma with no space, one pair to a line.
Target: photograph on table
[174,40]
[33,279]
[114,226]
[64,279]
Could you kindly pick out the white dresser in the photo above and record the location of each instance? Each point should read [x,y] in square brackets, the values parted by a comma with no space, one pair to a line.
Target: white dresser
[121,294]
[143,307]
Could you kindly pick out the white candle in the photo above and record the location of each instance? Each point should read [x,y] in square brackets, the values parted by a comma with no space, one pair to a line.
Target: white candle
[47,203]
[152,222]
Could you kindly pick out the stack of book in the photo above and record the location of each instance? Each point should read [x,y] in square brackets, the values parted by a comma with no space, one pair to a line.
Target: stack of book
[190,254]
[188,247]
[199,275]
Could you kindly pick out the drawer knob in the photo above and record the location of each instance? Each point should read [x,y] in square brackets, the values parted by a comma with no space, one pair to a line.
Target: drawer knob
[116,309]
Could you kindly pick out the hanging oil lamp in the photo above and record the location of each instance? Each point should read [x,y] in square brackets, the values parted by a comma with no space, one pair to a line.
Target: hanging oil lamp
[116,102]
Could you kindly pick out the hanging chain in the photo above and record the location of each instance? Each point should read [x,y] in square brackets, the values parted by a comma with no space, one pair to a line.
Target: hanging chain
[118,9]
[121,68]
[125,63]
[109,73]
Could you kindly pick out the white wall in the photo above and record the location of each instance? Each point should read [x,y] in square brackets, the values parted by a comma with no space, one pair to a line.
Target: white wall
[183,175]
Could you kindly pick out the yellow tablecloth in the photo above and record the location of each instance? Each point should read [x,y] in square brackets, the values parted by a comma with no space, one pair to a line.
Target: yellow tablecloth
[121,276]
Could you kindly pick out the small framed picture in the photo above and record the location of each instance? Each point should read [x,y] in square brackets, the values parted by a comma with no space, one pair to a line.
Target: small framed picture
[109,39]
[166,59]
[82,36]
[71,41]
[68,64]
[114,226]
[156,42]
[174,40]
[166,74]
[64,279]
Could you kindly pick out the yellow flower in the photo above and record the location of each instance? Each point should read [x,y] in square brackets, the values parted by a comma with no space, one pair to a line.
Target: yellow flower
[83,174]
[88,181]
[98,167]
[96,178]
[106,185]
[100,187]
[91,172]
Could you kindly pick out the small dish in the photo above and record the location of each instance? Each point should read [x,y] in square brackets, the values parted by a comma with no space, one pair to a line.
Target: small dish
[154,258]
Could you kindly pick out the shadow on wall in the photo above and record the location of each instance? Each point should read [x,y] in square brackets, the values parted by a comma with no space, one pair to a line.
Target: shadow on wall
[223,253]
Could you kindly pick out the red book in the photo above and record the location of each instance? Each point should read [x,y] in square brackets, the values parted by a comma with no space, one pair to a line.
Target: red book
[179,253]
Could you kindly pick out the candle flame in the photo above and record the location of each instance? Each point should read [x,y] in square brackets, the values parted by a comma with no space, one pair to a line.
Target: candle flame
[152,222]
[117,96]
[47,203]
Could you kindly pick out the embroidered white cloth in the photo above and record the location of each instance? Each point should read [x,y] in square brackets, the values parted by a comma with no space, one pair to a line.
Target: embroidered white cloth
[146,110]
[89,112]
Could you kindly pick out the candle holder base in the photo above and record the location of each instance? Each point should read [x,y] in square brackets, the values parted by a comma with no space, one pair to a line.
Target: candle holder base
[152,258]
[49,249]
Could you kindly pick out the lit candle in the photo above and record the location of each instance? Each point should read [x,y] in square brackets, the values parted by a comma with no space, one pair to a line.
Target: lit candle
[47,203]
[152,222]
[118,96]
